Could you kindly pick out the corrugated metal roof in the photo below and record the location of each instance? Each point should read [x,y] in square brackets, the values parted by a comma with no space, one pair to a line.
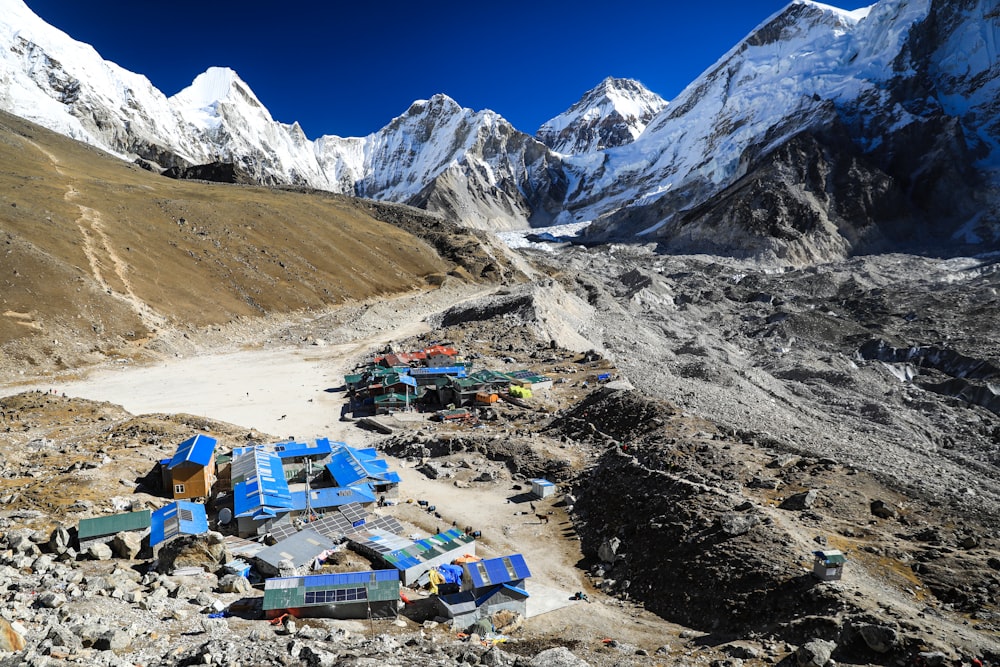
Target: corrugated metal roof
[345,468]
[116,523]
[390,398]
[318,449]
[497,570]
[180,517]
[300,548]
[198,449]
[290,592]
[269,494]
[458,603]
[402,553]
[239,546]
[333,496]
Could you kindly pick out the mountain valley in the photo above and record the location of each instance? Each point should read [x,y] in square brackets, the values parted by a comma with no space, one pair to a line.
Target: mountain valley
[776,334]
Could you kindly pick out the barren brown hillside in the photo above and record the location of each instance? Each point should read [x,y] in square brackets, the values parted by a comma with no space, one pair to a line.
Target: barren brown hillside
[100,257]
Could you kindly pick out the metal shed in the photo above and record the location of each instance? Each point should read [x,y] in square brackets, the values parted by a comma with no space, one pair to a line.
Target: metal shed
[180,517]
[828,565]
[103,528]
[298,549]
[542,488]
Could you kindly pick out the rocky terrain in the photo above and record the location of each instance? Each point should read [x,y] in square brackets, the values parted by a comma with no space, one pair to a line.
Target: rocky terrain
[759,411]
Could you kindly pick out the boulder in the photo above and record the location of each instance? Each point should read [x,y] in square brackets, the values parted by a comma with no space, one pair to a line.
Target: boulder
[968,542]
[60,540]
[126,545]
[234,583]
[207,551]
[51,600]
[933,658]
[800,501]
[882,509]
[815,653]
[507,621]
[879,638]
[10,639]
[734,523]
[609,549]
[113,640]
[99,551]
[62,636]
[557,657]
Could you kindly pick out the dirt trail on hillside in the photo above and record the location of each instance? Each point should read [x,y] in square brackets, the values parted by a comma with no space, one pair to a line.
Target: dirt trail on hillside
[98,247]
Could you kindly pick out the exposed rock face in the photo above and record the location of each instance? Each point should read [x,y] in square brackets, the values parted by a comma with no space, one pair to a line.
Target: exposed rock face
[219,172]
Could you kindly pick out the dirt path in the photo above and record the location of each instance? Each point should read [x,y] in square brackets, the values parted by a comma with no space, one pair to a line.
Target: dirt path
[283,391]
[97,247]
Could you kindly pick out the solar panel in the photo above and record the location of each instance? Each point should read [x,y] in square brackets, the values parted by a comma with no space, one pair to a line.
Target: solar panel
[353,511]
[333,525]
[386,523]
[282,531]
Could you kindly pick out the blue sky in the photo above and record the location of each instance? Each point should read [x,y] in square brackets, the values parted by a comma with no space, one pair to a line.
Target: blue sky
[349,68]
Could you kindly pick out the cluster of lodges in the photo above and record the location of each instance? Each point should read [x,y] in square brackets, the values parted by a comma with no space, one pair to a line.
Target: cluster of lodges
[290,506]
[433,378]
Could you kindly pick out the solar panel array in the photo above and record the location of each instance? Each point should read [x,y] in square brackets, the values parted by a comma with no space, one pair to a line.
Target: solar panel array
[333,524]
[282,531]
[498,570]
[349,518]
[386,523]
[354,512]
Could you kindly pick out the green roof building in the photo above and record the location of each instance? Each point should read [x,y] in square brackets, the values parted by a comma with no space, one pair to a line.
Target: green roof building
[103,528]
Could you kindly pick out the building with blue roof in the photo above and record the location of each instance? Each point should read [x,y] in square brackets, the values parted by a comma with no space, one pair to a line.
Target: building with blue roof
[349,466]
[180,517]
[331,497]
[492,571]
[487,586]
[190,473]
[345,595]
[294,478]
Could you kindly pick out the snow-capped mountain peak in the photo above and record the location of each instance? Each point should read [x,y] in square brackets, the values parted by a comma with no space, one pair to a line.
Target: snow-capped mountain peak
[216,84]
[821,124]
[611,114]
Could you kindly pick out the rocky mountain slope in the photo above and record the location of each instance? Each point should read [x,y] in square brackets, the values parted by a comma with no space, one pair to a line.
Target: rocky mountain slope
[864,120]
[877,128]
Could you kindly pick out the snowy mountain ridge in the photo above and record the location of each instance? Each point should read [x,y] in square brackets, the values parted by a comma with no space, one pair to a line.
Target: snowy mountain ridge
[612,114]
[896,102]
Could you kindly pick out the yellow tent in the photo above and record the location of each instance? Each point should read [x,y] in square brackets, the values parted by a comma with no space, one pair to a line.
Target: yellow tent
[520,392]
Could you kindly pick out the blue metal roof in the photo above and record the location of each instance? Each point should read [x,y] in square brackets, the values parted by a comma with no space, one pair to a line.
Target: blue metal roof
[350,466]
[197,449]
[345,468]
[180,517]
[261,493]
[456,371]
[287,450]
[494,571]
[322,580]
[333,496]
